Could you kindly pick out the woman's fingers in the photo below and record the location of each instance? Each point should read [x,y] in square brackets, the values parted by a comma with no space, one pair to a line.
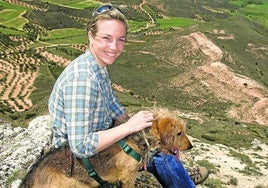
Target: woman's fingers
[141,120]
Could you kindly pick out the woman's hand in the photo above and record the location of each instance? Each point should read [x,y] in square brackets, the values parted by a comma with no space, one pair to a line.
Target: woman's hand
[136,123]
[140,121]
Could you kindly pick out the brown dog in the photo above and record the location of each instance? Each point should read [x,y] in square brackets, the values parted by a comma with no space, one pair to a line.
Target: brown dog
[112,164]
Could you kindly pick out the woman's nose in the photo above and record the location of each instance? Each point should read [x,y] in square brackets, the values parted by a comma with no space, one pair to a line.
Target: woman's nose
[113,44]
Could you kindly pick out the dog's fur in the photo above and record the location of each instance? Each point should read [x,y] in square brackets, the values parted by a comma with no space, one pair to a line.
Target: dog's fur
[112,164]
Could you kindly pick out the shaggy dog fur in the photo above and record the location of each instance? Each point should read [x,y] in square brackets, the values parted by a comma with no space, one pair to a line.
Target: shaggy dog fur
[112,164]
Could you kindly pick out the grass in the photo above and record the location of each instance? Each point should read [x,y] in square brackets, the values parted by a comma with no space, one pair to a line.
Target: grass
[65,51]
[11,31]
[65,36]
[63,33]
[77,4]
[256,10]
[175,22]
[6,5]
[257,13]
[233,181]
[12,18]
[221,130]
[80,39]
[136,26]
[250,168]
[214,183]
[11,15]
[14,175]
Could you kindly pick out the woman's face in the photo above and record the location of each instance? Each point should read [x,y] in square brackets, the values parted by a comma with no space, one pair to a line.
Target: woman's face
[108,43]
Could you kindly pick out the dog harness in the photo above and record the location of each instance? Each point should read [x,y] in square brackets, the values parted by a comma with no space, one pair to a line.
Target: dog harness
[128,150]
[92,173]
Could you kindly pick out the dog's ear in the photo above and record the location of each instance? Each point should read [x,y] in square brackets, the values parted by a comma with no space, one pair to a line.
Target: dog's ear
[153,131]
[166,130]
[165,125]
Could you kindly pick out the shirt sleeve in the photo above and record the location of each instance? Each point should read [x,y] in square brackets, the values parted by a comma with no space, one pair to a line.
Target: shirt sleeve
[79,100]
[116,108]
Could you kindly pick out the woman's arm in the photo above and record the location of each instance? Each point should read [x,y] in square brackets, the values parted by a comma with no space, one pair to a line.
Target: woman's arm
[136,123]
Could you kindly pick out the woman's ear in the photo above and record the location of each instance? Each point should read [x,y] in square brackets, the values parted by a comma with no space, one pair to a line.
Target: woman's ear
[90,37]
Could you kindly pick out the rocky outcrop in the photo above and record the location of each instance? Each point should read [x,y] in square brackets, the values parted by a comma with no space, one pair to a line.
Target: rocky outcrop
[22,147]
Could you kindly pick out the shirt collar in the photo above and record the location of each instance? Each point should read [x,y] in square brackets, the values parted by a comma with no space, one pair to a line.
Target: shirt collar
[101,72]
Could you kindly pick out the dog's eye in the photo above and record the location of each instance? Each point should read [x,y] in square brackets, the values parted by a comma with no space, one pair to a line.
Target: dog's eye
[179,133]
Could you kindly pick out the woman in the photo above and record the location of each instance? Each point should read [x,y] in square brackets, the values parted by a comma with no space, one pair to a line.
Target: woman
[82,103]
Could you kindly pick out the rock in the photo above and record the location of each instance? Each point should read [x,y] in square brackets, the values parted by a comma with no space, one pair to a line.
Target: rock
[146,180]
[24,148]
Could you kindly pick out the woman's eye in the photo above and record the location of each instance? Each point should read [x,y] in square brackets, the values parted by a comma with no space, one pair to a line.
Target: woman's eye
[107,39]
[122,40]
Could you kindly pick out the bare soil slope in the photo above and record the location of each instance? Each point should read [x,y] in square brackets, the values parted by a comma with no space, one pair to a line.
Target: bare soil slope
[250,99]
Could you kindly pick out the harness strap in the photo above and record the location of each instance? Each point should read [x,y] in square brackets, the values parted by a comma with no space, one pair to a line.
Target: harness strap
[127,149]
[92,173]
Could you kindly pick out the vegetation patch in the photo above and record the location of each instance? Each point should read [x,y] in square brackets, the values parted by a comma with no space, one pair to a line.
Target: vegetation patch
[77,4]
[254,10]
[12,18]
[250,168]
[214,183]
[175,22]
[63,33]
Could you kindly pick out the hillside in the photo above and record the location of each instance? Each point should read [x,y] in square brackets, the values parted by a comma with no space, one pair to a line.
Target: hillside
[205,59]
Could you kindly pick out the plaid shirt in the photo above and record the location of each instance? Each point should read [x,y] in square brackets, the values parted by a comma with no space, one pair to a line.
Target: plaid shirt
[82,102]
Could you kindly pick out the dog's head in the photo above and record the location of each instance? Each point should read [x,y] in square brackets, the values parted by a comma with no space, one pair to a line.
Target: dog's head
[170,131]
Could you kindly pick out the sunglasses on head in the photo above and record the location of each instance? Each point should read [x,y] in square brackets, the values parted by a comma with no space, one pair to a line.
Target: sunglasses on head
[104,8]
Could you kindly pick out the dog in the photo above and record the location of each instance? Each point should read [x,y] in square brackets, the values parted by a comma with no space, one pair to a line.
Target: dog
[113,165]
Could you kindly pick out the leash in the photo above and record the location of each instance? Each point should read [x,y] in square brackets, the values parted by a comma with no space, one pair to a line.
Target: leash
[148,155]
[145,138]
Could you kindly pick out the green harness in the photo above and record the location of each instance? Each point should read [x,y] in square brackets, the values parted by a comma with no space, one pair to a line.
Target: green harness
[92,173]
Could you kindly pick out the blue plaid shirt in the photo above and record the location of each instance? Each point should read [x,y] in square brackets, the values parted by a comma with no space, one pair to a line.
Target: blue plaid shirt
[82,102]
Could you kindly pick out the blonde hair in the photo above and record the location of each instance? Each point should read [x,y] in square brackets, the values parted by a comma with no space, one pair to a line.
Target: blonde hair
[112,13]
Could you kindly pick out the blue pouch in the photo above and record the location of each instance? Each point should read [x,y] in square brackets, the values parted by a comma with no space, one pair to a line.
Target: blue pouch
[170,172]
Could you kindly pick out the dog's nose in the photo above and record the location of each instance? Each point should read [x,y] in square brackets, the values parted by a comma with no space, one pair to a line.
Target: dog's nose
[190,146]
